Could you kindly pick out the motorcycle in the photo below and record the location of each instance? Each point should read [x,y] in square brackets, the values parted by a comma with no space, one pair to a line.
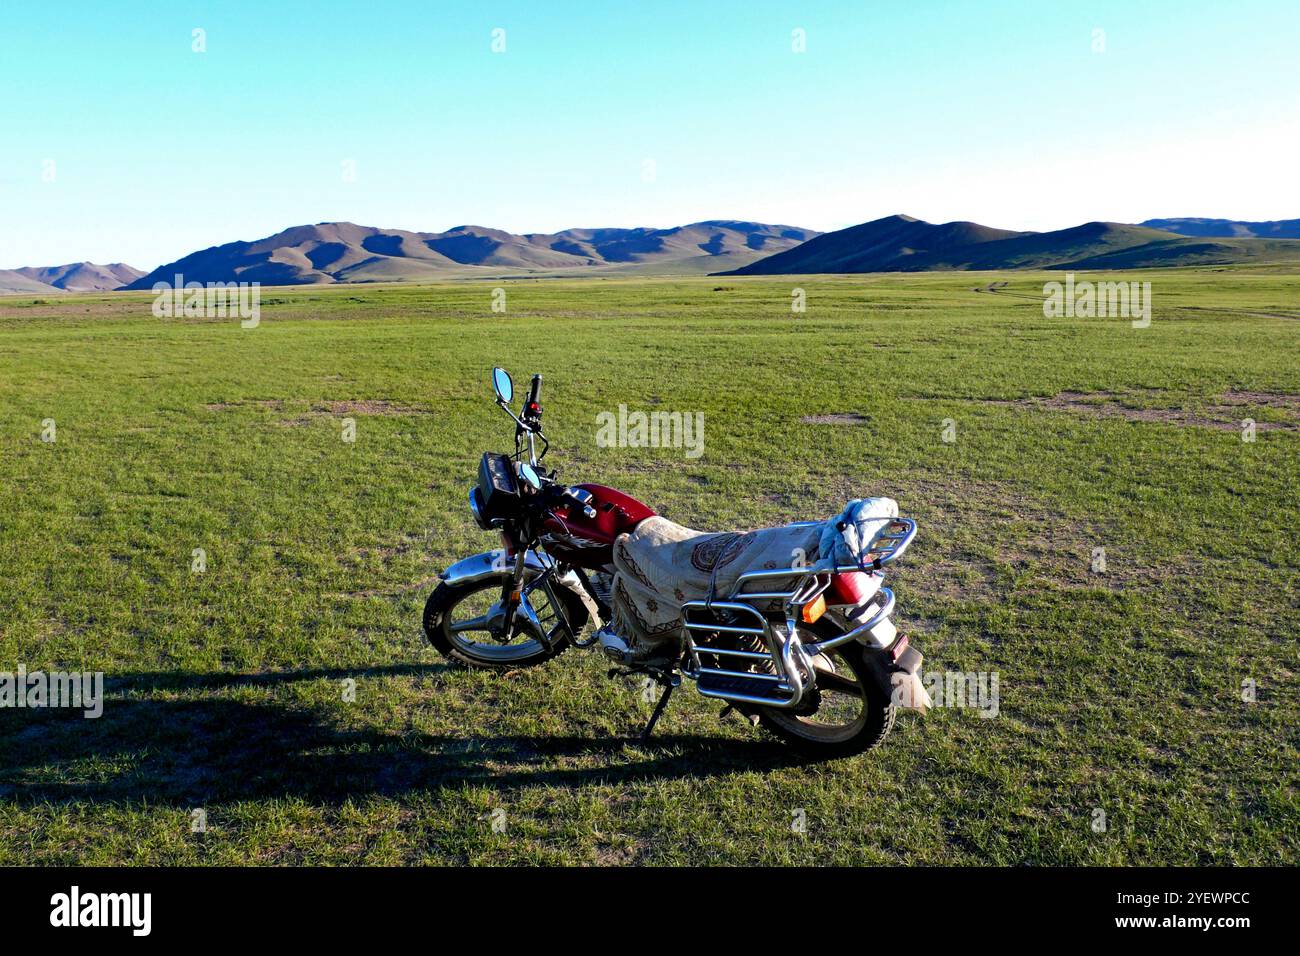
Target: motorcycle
[808,651]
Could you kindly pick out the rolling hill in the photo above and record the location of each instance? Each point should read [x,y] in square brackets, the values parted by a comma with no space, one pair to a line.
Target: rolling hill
[73,277]
[903,244]
[345,252]
[1229,228]
[892,244]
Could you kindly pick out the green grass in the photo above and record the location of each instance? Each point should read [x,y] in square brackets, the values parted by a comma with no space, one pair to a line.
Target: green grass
[1119,691]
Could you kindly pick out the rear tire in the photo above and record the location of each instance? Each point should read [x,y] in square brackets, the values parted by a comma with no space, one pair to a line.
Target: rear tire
[866,732]
[440,617]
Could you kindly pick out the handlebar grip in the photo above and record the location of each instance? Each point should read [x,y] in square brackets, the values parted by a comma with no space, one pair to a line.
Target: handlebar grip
[532,407]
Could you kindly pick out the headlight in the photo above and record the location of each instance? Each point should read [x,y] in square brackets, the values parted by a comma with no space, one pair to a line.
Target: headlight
[476,506]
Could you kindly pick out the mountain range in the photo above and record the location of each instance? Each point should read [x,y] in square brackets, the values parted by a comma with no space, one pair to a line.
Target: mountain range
[331,252]
[334,252]
[904,244]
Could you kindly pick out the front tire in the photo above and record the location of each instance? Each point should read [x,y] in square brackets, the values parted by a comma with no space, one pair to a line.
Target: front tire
[453,610]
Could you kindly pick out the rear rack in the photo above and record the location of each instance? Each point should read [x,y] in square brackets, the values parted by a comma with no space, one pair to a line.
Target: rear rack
[896,537]
[898,534]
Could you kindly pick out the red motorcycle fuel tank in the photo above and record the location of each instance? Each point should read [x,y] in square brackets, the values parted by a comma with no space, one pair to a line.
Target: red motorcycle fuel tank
[570,535]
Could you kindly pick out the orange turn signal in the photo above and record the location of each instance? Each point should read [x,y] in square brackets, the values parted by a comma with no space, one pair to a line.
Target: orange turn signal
[814,610]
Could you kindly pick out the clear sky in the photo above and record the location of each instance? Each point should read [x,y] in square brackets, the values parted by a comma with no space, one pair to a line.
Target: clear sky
[1003,113]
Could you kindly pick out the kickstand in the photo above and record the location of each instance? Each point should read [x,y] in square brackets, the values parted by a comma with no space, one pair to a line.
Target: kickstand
[667,679]
[658,711]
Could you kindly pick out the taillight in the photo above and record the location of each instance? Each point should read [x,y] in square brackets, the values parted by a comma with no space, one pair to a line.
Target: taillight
[852,587]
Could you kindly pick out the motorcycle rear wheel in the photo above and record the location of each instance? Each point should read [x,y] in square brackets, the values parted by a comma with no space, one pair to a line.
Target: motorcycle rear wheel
[854,712]
[455,611]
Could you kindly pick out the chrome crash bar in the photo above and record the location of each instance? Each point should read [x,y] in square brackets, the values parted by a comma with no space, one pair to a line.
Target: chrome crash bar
[790,657]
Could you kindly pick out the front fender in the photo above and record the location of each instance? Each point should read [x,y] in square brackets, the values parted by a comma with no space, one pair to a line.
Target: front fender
[496,564]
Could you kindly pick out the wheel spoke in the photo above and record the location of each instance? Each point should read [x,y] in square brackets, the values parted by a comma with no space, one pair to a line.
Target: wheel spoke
[479,623]
[827,680]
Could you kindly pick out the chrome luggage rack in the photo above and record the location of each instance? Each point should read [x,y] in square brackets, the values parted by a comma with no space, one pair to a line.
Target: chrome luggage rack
[791,673]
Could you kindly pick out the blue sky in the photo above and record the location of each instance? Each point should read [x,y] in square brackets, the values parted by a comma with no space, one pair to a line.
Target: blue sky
[999,112]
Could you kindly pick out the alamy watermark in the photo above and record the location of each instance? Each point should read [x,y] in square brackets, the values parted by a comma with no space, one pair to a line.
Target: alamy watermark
[626,429]
[83,690]
[1101,300]
[210,300]
[971,690]
[133,911]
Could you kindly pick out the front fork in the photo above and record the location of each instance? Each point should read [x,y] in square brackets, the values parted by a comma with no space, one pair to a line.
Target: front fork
[515,602]
[512,591]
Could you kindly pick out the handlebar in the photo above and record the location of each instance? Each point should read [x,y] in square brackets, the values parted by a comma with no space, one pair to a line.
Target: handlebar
[529,424]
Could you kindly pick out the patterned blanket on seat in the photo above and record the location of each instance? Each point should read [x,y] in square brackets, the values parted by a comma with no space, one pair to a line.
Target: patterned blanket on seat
[662,564]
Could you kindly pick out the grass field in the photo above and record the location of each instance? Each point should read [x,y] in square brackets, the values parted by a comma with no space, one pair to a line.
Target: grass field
[1120,691]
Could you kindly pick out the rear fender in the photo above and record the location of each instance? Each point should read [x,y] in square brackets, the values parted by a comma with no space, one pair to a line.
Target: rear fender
[898,671]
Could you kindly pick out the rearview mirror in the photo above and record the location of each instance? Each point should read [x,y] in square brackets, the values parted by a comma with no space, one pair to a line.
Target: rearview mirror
[502,385]
[529,474]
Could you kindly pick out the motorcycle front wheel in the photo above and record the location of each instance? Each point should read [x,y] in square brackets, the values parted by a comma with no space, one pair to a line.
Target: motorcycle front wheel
[465,623]
[850,711]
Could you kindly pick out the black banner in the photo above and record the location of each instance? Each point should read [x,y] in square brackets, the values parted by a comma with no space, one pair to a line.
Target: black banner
[333,906]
